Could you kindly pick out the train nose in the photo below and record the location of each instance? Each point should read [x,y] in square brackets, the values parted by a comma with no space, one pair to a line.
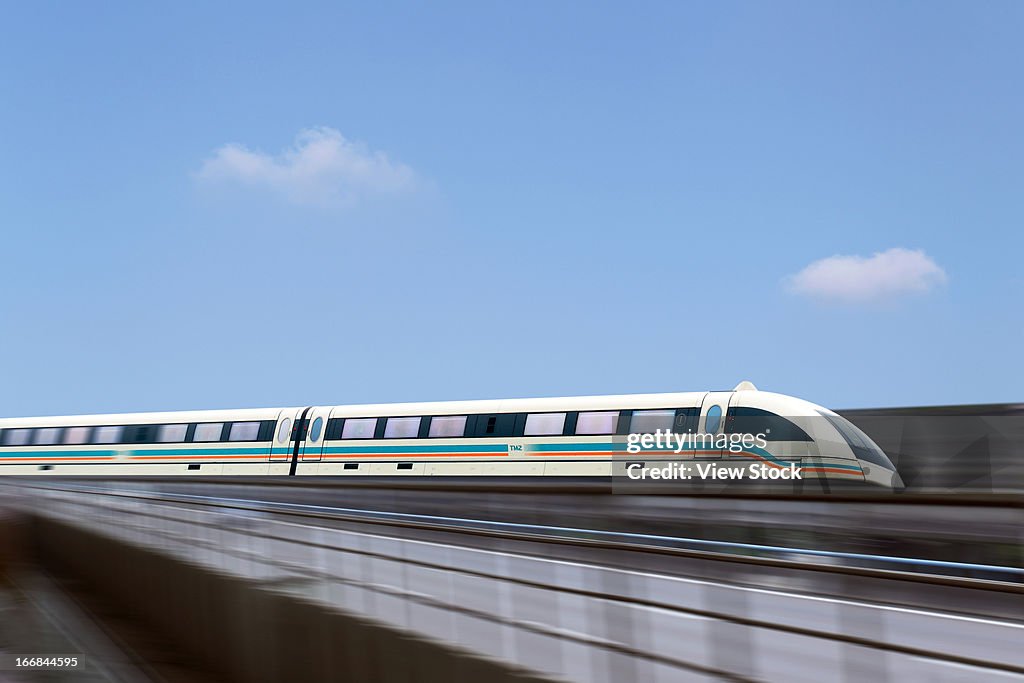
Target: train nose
[897,481]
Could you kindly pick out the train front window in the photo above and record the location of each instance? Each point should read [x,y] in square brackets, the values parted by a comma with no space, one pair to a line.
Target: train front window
[859,442]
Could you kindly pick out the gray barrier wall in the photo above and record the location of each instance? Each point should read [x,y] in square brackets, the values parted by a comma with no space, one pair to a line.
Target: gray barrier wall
[248,633]
[572,619]
[951,448]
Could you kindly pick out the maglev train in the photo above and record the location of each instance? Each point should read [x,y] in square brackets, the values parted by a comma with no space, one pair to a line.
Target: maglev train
[592,436]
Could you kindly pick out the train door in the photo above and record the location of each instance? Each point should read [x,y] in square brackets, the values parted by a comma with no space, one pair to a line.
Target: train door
[282,447]
[313,445]
[712,424]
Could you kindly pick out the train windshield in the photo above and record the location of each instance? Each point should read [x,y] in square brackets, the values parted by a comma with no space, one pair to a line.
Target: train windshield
[859,442]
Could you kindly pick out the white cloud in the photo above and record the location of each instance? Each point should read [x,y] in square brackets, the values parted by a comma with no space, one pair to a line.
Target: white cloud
[881,278]
[322,168]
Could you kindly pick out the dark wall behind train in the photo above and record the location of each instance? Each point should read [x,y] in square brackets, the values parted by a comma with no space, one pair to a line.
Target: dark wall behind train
[946,448]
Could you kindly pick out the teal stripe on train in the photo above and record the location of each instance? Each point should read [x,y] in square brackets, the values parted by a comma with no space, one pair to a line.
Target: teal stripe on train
[135,452]
[413,450]
[56,454]
[570,447]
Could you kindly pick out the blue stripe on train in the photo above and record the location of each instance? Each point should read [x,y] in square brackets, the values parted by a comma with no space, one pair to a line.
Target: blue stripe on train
[399,450]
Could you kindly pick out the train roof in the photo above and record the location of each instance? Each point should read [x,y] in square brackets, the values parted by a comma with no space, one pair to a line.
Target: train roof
[636,401]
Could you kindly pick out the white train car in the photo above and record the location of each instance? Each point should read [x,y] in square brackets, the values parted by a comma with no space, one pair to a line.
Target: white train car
[594,436]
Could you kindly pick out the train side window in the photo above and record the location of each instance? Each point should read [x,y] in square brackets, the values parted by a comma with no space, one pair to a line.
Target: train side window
[334,427]
[285,431]
[402,428]
[47,436]
[139,434]
[597,422]
[208,432]
[267,428]
[649,421]
[171,433]
[316,429]
[359,428]
[450,426]
[244,431]
[544,424]
[107,434]
[17,437]
[713,419]
[75,436]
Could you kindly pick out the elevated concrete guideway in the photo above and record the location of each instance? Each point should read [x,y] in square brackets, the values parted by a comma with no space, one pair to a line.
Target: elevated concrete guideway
[949,536]
[530,614]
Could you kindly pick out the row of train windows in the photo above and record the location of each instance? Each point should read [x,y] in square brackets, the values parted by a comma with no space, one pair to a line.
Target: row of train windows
[194,432]
[589,423]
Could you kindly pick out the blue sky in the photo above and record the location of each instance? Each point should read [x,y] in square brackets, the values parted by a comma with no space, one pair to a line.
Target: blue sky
[254,205]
